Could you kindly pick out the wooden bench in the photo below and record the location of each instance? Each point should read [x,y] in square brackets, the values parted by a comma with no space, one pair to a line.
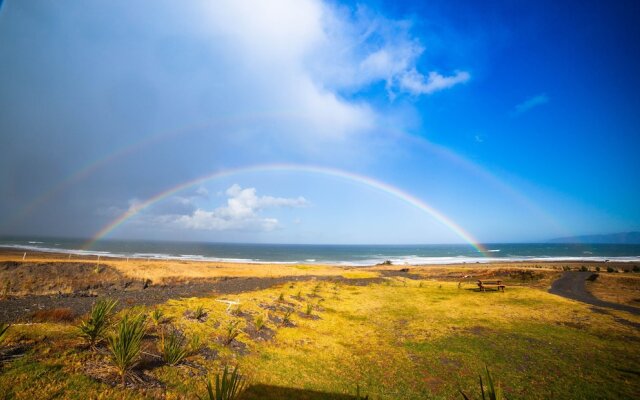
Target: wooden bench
[487,284]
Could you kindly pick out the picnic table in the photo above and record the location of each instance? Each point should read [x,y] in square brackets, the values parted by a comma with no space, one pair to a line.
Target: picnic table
[485,284]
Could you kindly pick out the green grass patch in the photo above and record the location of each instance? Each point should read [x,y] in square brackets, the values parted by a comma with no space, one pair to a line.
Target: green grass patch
[423,340]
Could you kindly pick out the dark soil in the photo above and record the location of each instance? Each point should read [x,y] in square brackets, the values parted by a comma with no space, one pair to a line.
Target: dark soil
[78,285]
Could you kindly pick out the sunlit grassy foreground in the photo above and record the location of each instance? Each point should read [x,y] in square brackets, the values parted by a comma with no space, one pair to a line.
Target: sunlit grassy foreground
[395,340]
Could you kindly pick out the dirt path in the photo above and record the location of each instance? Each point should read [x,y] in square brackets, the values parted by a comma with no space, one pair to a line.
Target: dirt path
[572,285]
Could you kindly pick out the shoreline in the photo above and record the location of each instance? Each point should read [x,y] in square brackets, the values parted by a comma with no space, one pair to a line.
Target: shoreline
[78,254]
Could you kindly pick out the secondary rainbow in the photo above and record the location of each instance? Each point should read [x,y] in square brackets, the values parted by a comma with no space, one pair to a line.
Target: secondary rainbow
[350,176]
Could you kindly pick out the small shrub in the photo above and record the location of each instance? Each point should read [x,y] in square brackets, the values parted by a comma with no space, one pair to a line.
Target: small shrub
[54,315]
[228,386]
[309,309]
[584,269]
[124,344]
[566,268]
[173,348]
[259,322]
[299,295]
[94,328]
[611,269]
[4,329]
[386,262]
[491,392]
[232,332]
[636,268]
[281,297]
[593,277]
[597,268]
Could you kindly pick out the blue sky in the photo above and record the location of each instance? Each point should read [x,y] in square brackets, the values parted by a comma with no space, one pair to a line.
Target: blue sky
[515,120]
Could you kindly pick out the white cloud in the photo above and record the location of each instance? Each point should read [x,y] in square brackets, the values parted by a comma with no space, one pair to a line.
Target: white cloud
[530,103]
[361,48]
[415,83]
[242,212]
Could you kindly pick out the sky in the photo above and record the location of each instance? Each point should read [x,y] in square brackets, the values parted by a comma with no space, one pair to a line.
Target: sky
[309,121]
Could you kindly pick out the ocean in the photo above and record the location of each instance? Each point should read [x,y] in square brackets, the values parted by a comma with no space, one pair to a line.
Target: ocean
[356,255]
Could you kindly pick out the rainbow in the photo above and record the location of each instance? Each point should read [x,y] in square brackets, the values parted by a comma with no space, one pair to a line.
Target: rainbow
[149,140]
[350,176]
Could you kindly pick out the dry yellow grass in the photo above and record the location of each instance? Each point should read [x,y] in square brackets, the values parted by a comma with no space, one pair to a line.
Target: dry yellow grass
[617,288]
[161,270]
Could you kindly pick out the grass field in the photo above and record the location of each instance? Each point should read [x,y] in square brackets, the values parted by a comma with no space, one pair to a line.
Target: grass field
[399,339]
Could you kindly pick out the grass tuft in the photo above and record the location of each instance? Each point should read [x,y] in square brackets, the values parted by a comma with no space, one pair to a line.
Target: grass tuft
[4,328]
[229,385]
[491,392]
[199,313]
[286,317]
[124,344]
[195,344]
[173,347]
[94,328]
[259,322]
[232,332]
[158,317]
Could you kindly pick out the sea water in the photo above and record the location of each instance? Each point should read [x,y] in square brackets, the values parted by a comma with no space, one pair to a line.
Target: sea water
[357,255]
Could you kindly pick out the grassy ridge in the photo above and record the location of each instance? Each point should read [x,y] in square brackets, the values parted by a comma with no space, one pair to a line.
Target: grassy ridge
[396,340]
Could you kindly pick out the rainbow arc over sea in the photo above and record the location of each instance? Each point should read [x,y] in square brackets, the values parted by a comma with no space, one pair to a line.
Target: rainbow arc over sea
[333,172]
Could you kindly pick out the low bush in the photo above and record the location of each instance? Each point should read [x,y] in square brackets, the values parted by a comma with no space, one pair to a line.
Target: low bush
[611,269]
[54,315]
